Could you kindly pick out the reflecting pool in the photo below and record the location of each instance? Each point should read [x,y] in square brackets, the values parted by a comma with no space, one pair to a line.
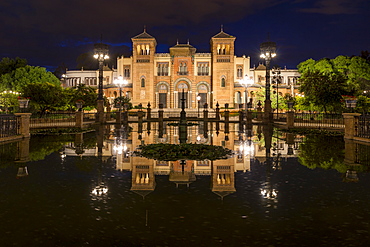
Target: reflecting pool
[279,189]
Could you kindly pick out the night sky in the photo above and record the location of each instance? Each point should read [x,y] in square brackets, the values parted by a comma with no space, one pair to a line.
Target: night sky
[51,32]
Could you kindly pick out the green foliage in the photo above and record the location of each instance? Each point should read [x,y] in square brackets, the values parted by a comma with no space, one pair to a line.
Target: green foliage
[8,102]
[40,147]
[260,96]
[341,75]
[45,96]
[363,104]
[86,94]
[124,100]
[183,151]
[313,155]
[22,76]
[324,90]
[7,65]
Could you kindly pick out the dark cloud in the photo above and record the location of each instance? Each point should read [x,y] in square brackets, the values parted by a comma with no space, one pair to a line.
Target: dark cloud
[334,7]
[51,32]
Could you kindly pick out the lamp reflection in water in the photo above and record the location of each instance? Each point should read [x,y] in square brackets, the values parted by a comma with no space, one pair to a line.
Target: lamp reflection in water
[267,190]
[120,148]
[100,189]
[246,82]
[245,153]
[246,148]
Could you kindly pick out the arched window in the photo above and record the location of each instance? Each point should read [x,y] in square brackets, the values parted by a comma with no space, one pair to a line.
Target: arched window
[142,82]
[223,82]
[147,50]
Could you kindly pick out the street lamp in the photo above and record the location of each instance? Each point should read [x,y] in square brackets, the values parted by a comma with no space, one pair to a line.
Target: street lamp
[120,81]
[101,54]
[276,79]
[246,81]
[268,51]
[198,98]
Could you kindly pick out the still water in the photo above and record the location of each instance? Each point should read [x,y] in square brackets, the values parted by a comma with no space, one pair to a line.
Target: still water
[278,190]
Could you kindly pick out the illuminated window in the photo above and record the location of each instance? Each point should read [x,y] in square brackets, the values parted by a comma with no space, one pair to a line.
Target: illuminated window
[203,69]
[239,71]
[162,69]
[126,72]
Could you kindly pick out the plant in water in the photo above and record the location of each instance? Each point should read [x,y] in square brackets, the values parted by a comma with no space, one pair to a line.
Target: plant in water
[183,151]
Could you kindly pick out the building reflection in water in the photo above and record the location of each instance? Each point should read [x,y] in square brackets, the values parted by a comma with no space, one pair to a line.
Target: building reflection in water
[270,148]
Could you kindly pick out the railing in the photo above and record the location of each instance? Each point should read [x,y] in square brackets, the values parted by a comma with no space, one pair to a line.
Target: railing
[363,154]
[189,114]
[89,117]
[53,119]
[333,120]
[9,125]
[279,117]
[364,126]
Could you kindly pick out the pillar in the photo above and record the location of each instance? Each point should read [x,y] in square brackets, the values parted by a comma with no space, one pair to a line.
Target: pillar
[79,119]
[290,119]
[24,128]
[350,124]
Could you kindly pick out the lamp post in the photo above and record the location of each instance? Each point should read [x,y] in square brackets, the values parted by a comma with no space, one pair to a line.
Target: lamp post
[276,78]
[101,54]
[198,98]
[268,51]
[120,81]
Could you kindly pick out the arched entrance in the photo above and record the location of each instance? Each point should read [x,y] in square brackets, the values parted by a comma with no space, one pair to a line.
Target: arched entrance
[238,98]
[182,92]
[162,95]
[203,93]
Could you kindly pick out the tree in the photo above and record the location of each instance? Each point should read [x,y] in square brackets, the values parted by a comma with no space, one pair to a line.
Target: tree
[82,93]
[124,100]
[8,101]
[313,156]
[7,65]
[355,70]
[45,96]
[22,76]
[261,96]
[324,90]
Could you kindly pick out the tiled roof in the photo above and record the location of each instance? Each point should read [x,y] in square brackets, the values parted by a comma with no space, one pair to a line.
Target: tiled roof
[143,35]
[222,34]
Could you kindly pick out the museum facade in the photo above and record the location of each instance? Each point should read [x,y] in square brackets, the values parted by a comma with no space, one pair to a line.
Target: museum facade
[200,78]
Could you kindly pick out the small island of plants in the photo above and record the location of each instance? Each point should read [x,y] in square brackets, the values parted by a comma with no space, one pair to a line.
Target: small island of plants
[183,151]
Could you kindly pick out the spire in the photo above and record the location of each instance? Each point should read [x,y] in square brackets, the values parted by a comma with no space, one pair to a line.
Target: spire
[188,41]
[222,28]
[177,41]
[144,28]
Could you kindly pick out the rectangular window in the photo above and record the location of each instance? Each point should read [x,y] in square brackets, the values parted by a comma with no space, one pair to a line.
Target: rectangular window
[126,71]
[90,81]
[162,69]
[183,68]
[239,72]
[223,82]
[292,80]
[73,81]
[203,68]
